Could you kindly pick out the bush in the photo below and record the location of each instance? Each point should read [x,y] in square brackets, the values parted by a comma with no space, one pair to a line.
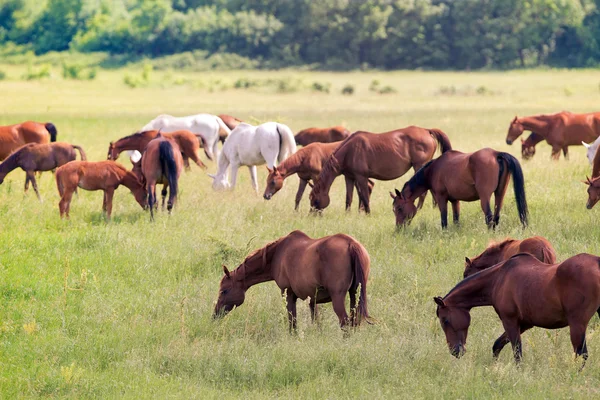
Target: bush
[37,73]
[387,90]
[2,75]
[348,90]
[321,87]
[374,86]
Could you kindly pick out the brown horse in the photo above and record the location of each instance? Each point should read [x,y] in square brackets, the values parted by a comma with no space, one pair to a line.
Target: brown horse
[14,136]
[525,293]
[593,191]
[458,176]
[186,140]
[322,135]
[383,156]
[231,123]
[560,130]
[34,157]
[528,145]
[537,246]
[323,269]
[307,163]
[101,175]
[162,163]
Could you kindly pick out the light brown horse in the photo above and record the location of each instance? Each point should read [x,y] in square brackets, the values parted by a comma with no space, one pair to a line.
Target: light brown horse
[307,163]
[162,163]
[456,176]
[525,292]
[100,175]
[383,156]
[323,269]
[537,246]
[322,135]
[14,136]
[231,123]
[560,130]
[34,157]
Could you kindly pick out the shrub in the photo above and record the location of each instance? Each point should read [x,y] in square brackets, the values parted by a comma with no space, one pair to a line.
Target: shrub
[321,87]
[2,75]
[37,73]
[348,90]
[374,86]
[387,90]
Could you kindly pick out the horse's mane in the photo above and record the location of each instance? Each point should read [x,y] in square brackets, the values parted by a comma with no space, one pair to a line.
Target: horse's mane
[136,134]
[332,166]
[497,244]
[265,253]
[418,178]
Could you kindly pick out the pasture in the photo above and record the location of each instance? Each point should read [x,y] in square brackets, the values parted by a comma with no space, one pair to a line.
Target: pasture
[123,309]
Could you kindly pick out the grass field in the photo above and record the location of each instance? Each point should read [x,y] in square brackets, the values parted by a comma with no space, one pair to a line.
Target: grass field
[123,309]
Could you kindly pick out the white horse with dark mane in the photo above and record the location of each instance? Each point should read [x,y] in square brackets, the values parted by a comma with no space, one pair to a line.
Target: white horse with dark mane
[209,129]
[251,145]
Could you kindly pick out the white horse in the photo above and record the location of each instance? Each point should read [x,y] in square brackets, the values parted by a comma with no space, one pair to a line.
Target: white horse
[251,145]
[591,149]
[209,129]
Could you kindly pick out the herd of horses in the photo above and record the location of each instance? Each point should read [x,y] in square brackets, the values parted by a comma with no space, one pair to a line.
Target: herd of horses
[521,279]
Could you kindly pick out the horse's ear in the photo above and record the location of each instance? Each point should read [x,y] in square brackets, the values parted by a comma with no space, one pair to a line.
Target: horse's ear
[515,120]
[587,181]
[270,170]
[392,196]
[398,193]
[311,185]
[226,271]
[274,168]
[439,301]
[468,261]
[587,146]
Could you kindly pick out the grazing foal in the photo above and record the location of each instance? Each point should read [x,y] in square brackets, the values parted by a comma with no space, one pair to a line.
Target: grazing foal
[322,135]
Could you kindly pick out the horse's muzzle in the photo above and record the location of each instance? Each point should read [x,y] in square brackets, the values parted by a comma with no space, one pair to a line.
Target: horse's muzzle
[509,142]
[458,351]
[267,196]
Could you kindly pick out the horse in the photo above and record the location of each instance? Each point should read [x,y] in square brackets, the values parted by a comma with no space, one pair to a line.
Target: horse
[525,292]
[252,145]
[161,163]
[100,175]
[383,156]
[591,149]
[560,130]
[528,145]
[537,246]
[307,162]
[14,136]
[593,191]
[323,269]
[458,176]
[231,122]
[208,127]
[322,135]
[34,157]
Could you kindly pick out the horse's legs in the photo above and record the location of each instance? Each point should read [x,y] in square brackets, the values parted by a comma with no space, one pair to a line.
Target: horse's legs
[578,339]
[339,307]
[503,340]
[301,187]
[514,335]
[186,162]
[234,172]
[26,182]
[313,308]
[499,194]
[31,176]
[352,293]
[350,193]
[252,169]
[566,152]
[291,309]
[455,211]
[487,210]
[362,186]
[443,206]
[64,205]
[163,195]
[555,152]
[151,199]
[108,198]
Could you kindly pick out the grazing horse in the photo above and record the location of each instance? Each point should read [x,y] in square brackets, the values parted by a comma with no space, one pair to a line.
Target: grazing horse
[307,163]
[100,175]
[251,145]
[458,176]
[323,269]
[231,122]
[207,126]
[528,145]
[383,156]
[34,157]
[560,130]
[14,136]
[161,163]
[525,292]
[322,135]
[537,246]
[593,191]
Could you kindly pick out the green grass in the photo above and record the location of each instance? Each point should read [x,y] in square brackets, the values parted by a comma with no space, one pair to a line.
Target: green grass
[135,318]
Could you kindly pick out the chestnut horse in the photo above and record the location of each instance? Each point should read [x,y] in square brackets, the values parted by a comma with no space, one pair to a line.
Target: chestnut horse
[528,145]
[323,269]
[593,191]
[307,163]
[161,163]
[14,136]
[560,130]
[34,157]
[322,135]
[231,123]
[383,156]
[525,292]
[100,175]
[537,246]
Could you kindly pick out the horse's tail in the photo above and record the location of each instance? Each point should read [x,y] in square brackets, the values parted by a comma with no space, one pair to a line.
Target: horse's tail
[51,130]
[360,263]
[168,165]
[224,130]
[514,168]
[442,139]
[287,142]
[81,152]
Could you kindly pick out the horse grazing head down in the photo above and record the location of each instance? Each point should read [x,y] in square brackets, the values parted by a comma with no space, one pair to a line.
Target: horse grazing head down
[455,324]
[220,183]
[593,191]
[231,294]
[319,200]
[514,131]
[527,149]
[274,183]
[404,209]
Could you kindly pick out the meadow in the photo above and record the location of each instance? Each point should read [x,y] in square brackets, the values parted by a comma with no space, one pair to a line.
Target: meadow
[91,309]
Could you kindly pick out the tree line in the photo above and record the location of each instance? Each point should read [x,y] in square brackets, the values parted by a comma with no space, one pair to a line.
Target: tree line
[332,34]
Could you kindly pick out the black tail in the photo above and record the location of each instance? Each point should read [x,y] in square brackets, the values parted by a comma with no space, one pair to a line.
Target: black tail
[360,267]
[168,165]
[52,131]
[519,184]
[442,139]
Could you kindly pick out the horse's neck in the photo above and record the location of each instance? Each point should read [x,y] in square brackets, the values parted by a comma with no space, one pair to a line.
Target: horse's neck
[538,124]
[328,174]
[475,291]
[130,143]
[9,164]
[533,139]
[290,165]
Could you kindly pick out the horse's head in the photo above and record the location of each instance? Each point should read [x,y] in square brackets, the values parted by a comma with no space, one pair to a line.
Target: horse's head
[455,324]
[220,183]
[404,209]
[319,200]
[231,294]
[527,149]
[514,131]
[593,191]
[474,266]
[274,183]
[112,152]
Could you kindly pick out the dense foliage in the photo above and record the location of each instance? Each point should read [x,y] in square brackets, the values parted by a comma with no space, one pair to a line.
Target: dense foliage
[337,34]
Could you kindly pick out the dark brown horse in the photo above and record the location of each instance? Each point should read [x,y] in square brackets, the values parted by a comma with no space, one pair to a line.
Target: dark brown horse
[307,163]
[593,191]
[322,135]
[101,175]
[537,246]
[456,176]
[34,157]
[383,156]
[14,136]
[323,269]
[231,123]
[560,130]
[528,145]
[162,163]
[525,292]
